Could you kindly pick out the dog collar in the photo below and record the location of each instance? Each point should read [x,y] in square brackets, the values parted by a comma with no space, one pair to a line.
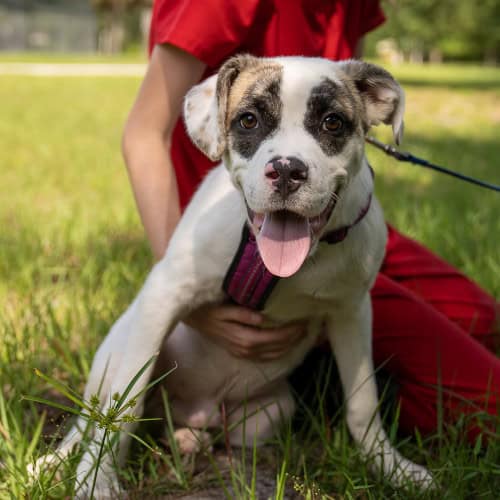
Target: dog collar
[340,234]
[249,283]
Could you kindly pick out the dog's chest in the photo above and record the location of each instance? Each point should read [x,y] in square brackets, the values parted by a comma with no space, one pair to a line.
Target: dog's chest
[333,276]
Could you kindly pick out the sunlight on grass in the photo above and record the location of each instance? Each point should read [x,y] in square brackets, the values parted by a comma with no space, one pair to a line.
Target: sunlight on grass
[63,57]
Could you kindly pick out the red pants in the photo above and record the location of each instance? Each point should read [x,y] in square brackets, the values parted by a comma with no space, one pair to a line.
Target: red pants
[434,333]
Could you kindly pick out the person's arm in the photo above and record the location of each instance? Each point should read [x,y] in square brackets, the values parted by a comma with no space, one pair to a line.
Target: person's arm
[146,140]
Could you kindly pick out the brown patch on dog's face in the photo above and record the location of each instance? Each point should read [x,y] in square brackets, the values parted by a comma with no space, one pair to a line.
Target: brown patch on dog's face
[335,102]
[209,127]
[256,91]
[255,78]
[232,71]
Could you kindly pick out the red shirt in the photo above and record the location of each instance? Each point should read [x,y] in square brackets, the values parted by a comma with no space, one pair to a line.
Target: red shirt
[213,30]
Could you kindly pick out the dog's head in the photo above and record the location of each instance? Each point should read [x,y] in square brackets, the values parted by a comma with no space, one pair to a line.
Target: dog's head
[291,132]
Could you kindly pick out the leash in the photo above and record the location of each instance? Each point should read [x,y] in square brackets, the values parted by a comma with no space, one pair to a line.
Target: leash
[408,157]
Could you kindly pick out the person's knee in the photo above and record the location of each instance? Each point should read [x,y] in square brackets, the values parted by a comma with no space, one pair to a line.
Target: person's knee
[483,320]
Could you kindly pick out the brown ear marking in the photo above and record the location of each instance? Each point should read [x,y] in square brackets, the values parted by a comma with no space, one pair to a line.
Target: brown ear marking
[227,75]
[382,95]
[206,107]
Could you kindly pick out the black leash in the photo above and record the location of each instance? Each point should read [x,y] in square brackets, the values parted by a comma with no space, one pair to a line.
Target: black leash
[404,156]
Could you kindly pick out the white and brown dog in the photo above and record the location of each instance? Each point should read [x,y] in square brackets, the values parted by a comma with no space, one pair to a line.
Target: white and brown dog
[290,133]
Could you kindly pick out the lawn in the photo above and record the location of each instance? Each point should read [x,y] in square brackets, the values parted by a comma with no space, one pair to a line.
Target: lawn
[133,56]
[73,254]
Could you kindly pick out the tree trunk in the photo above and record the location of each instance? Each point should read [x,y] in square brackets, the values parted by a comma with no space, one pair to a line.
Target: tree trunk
[146,13]
[417,55]
[490,57]
[112,33]
[435,56]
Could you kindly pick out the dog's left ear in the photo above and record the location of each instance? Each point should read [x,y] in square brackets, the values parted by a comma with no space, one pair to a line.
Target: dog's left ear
[383,98]
[205,107]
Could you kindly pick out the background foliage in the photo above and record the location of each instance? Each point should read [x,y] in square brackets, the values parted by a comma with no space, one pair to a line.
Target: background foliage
[449,29]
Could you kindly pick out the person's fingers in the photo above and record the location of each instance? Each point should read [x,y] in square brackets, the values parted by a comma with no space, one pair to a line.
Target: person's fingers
[245,344]
[271,337]
[245,337]
[279,349]
[234,329]
[255,356]
[281,335]
[239,314]
[268,356]
[212,319]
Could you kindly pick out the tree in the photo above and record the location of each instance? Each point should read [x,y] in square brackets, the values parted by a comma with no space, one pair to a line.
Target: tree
[480,28]
[458,29]
[112,17]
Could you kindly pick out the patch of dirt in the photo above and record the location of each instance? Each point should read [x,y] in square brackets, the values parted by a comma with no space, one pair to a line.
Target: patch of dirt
[56,420]
[206,475]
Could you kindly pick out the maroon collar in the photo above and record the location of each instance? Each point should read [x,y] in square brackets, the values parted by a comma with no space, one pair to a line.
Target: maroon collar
[340,234]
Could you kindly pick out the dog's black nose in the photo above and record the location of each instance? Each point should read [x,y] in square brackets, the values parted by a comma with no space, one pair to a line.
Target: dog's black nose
[286,174]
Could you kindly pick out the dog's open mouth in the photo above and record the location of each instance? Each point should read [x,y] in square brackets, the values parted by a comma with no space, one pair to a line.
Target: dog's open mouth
[284,238]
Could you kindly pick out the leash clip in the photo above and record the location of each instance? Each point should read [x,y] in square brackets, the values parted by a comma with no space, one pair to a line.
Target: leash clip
[388,149]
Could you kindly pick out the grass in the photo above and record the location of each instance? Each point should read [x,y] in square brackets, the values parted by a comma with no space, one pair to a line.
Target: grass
[73,255]
[135,56]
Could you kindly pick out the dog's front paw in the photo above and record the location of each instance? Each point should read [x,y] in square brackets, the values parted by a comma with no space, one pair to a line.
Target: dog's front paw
[191,441]
[410,472]
[100,485]
[45,462]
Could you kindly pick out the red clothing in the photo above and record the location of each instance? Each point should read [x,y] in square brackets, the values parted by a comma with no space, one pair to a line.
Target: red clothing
[433,330]
[427,316]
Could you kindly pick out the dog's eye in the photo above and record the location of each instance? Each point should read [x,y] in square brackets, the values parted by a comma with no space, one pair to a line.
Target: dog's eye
[332,123]
[248,121]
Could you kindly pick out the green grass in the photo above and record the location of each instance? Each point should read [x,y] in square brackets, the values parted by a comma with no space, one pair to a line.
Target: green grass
[73,255]
[66,57]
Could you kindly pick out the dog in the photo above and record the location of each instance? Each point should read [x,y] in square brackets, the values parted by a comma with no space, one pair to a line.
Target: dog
[289,133]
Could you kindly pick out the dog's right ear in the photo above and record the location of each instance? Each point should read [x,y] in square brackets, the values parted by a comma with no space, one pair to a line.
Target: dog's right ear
[205,107]
[383,97]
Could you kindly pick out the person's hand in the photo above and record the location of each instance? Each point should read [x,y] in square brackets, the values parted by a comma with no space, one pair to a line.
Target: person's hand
[238,330]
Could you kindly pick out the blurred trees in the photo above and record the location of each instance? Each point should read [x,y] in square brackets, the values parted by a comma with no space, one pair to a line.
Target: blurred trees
[121,21]
[437,29]
[418,30]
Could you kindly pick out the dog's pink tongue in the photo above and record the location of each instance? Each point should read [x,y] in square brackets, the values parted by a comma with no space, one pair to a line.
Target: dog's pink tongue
[284,242]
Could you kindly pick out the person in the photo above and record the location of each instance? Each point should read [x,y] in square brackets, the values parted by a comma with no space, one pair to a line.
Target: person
[433,328]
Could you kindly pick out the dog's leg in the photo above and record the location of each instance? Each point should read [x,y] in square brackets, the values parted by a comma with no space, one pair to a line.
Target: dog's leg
[165,295]
[51,460]
[103,371]
[349,332]
[258,419]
